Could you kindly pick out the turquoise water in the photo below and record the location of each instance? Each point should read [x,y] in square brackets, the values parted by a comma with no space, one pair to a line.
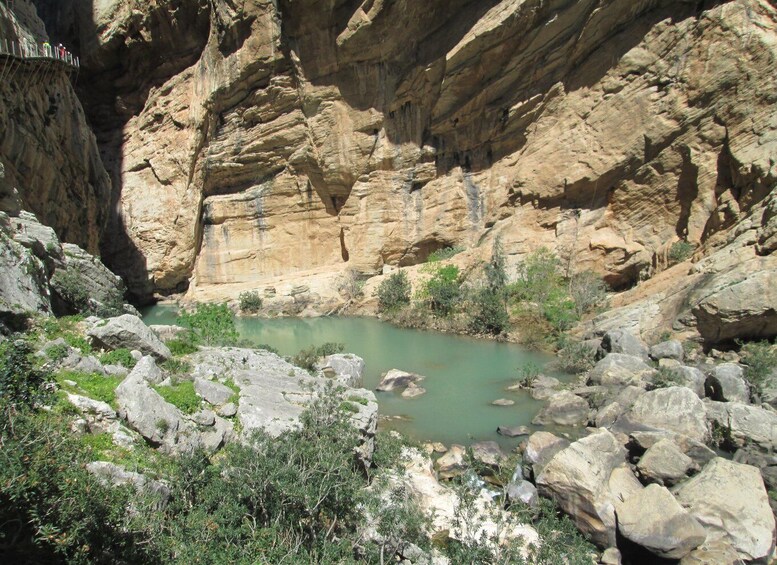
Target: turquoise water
[463,375]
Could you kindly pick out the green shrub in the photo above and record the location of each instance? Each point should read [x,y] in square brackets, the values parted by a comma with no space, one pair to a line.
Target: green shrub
[211,324]
[57,352]
[681,251]
[760,359]
[489,313]
[441,293]
[184,344]
[176,366]
[665,378]
[181,395]
[528,374]
[576,357]
[539,276]
[51,509]
[250,301]
[394,292]
[495,270]
[265,347]
[307,358]
[444,254]
[71,288]
[121,356]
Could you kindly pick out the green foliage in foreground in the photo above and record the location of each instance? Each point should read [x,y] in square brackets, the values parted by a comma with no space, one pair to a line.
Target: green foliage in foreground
[210,324]
[20,382]
[181,395]
[394,292]
[680,251]
[99,387]
[121,356]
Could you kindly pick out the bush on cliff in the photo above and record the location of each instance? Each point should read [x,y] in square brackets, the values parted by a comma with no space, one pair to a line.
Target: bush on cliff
[442,292]
[394,292]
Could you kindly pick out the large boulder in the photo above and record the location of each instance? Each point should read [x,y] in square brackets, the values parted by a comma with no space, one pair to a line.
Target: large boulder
[696,450]
[212,392]
[541,447]
[151,416]
[578,479]
[452,463]
[727,384]
[104,291]
[563,409]
[620,341]
[618,369]
[729,499]
[653,519]
[671,349]
[664,463]
[739,303]
[689,377]
[743,423]
[116,475]
[675,409]
[488,454]
[128,331]
[346,368]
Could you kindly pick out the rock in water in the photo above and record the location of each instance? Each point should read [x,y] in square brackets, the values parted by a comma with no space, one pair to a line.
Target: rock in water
[396,379]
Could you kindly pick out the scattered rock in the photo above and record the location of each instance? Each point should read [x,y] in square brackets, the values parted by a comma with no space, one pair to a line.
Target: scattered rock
[228,410]
[607,416]
[697,451]
[348,368]
[395,379]
[523,492]
[611,556]
[664,463]
[540,449]
[712,552]
[730,501]
[167,332]
[204,418]
[653,519]
[488,453]
[147,370]
[116,475]
[128,331]
[690,377]
[563,409]
[95,408]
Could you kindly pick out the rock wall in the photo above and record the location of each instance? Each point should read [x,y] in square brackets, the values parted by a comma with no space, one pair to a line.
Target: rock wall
[264,139]
[50,161]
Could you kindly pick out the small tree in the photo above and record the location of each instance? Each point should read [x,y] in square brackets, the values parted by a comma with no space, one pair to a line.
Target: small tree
[496,272]
[443,290]
[211,324]
[394,292]
[489,312]
[588,290]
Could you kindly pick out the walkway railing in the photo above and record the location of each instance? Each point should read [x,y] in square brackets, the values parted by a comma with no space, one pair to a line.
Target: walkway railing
[29,51]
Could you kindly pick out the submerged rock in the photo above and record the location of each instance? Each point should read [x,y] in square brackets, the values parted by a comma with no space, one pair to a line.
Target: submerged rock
[396,379]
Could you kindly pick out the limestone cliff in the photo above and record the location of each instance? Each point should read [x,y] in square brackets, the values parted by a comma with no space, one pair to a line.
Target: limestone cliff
[263,139]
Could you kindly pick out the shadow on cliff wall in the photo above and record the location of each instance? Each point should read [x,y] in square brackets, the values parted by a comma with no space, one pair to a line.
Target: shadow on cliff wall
[472,139]
[114,84]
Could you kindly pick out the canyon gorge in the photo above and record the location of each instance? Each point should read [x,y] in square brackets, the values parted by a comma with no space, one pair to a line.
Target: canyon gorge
[213,147]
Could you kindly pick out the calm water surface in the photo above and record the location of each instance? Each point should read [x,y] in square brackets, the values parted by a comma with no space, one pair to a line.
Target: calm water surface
[463,375]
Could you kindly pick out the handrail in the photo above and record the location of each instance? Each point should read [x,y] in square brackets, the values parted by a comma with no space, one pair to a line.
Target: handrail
[28,50]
